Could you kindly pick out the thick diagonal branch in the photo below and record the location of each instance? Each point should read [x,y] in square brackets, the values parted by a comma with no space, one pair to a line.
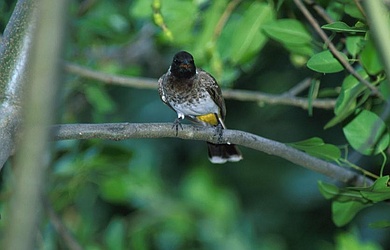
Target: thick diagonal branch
[123,131]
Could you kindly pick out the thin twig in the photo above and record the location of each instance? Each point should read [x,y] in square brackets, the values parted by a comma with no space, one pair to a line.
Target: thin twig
[122,131]
[249,95]
[134,82]
[360,7]
[224,17]
[320,11]
[334,50]
[241,95]
[299,87]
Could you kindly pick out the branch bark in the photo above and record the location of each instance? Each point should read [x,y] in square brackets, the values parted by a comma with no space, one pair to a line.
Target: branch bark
[15,52]
[235,94]
[39,70]
[313,22]
[123,131]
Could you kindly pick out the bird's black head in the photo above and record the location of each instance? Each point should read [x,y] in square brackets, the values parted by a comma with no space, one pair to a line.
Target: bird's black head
[183,65]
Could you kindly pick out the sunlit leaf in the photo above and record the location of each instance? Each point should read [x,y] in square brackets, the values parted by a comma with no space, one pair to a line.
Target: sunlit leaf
[205,40]
[346,241]
[247,38]
[180,17]
[367,133]
[288,31]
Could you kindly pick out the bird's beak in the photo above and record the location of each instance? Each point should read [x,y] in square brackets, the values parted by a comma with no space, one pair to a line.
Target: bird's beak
[185,66]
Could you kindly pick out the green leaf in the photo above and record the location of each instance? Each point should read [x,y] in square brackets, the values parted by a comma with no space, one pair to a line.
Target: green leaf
[351,9]
[343,27]
[318,148]
[380,191]
[141,9]
[347,102]
[325,62]
[301,49]
[335,10]
[348,240]
[344,212]
[384,88]
[180,17]
[115,189]
[367,133]
[205,40]
[354,45]
[115,234]
[99,99]
[332,192]
[327,190]
[380,224]
[370,58]
[246,38]
[288,31]
[346,202]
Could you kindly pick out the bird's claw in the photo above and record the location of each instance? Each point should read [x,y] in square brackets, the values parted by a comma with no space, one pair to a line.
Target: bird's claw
[176,125]
[219,132]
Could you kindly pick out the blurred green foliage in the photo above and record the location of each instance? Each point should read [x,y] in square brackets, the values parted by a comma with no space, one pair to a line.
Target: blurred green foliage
[164,194]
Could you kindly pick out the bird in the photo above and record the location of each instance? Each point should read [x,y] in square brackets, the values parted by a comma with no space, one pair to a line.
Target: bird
[194,94]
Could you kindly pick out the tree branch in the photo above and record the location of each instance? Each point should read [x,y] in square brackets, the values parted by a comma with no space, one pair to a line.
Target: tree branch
[320,11]
[224,17]
[299,87]
[15,51]
[38,100]
[123,131]
[334,50]
[240,95]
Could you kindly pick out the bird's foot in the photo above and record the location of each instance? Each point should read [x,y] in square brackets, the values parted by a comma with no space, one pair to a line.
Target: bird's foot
[219,132]
[176,125]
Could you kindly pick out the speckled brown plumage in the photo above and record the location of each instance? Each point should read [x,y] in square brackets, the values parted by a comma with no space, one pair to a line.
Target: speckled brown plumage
[193,93]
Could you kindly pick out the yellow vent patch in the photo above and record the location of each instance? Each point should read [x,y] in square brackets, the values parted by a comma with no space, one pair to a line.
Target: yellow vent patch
[209,118]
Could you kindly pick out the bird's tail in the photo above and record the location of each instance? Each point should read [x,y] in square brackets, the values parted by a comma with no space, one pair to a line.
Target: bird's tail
[221,153]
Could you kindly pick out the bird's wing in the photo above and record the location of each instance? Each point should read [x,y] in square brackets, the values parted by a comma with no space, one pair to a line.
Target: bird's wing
[214,90]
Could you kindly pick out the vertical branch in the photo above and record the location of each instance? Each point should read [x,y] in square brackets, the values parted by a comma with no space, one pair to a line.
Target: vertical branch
[37,109]
[15,53]
[379,26]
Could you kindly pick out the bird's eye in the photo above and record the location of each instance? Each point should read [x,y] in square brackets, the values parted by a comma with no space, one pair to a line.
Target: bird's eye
[176,61]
